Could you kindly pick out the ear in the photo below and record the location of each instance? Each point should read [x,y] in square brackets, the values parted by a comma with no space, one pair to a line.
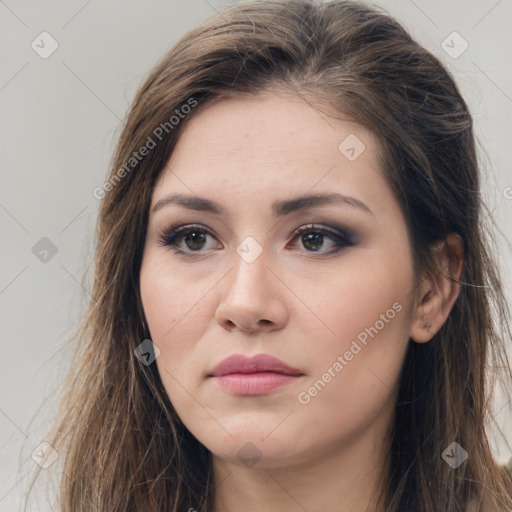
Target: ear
[438,292]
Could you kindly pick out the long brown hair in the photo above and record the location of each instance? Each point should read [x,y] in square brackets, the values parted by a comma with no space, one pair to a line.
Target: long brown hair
[120,442]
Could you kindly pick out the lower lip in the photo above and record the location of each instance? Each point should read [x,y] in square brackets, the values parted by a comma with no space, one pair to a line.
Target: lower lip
[256,383]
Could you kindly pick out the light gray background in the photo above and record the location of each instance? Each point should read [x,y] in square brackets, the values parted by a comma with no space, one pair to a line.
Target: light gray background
[59,118]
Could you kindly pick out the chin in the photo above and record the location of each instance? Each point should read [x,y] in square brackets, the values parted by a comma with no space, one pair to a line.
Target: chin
[253,450]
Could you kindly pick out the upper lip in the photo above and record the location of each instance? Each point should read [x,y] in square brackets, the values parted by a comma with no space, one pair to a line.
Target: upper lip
[238,363]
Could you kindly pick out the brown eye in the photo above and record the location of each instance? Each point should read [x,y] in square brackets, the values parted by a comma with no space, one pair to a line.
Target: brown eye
[194,238]
[313,241]
[313,238]
[190,239]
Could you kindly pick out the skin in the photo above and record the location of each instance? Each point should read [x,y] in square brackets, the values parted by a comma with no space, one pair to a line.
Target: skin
[302,306]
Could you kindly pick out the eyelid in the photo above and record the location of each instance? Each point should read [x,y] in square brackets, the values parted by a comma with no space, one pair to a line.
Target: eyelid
[176,228]
[342,236]
[336,233]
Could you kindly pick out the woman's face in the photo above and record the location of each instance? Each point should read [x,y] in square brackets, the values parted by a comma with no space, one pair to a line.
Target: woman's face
[331,302]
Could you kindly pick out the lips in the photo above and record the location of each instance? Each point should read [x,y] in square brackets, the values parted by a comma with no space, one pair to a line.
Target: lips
[253,376]
[238,363]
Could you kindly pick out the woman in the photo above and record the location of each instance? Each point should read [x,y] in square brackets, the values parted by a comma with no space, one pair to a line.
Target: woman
[293,290]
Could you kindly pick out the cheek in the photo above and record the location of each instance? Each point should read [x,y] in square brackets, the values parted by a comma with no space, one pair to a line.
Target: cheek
[352,297]
[354,378]
[177,322]
[176,311]
[365,308]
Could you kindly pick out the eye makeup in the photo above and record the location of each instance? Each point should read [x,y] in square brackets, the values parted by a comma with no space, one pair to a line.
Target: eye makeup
[178,233]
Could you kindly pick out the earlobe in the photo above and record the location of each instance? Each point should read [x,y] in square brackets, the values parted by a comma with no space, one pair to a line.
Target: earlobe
[438,290]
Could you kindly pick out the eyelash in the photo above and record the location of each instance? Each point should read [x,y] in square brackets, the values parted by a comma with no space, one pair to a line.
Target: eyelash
[175,232]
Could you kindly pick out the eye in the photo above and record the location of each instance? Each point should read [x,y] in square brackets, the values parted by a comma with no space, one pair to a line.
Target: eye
[313,238]
[193,236]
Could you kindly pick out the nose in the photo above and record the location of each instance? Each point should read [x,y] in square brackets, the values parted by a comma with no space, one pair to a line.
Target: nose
[253,298]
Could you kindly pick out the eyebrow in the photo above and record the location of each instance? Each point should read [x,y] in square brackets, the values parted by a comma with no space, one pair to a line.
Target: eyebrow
[280,208]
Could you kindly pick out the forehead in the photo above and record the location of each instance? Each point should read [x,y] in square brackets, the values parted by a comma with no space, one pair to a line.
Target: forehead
[269,124]
[271,146]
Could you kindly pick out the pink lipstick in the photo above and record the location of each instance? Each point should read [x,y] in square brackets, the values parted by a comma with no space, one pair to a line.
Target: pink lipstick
[255,375]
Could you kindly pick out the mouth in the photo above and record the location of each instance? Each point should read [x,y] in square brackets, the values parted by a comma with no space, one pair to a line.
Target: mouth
[257,375]
[257,383]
